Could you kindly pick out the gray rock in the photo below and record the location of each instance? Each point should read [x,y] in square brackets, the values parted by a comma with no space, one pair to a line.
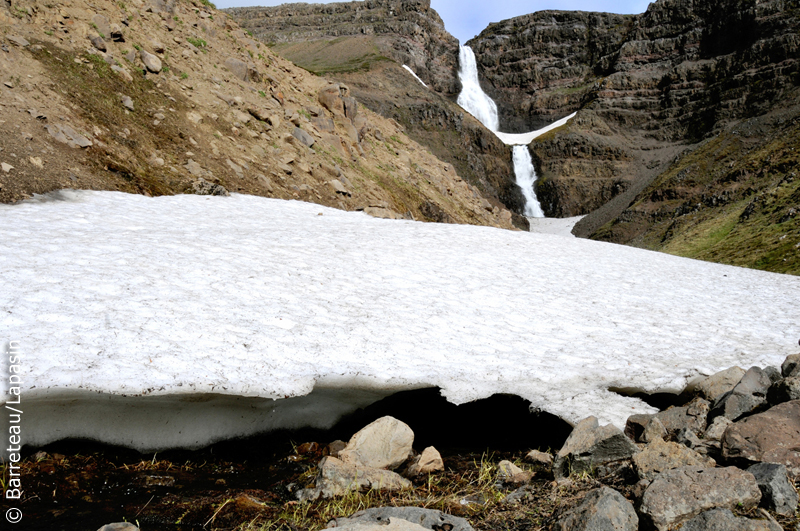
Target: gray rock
[151,62]
[339,188]
[18,41]
[717,428]
[426,518]
[769,437]
[237,67]
[336,478]
[590,445]
[749,395]
[654,430]
[65,134]
[127,102]
[603,509]
[660,456]
[130,56]
[203,187]
[99,43]
[777,493]
[390,524]
[724,520]
[692,416]
[116,34]
[385,443]
[635,425]
[101,24]
[716,385]
[784,390]
[791,366]
[677,495]
[119,526]
[303,137]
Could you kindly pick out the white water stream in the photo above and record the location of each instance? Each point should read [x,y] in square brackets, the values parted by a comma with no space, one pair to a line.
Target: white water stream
[473,100]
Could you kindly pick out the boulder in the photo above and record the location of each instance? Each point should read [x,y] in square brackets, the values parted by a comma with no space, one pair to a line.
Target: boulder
[654,430]
[635,425]
[390,524]
[426,518]
[237,67]
[16,40]
[725,520]
[101,24]
[429,461]
[385,443]
[329,97]
[603,509]
[717,428]
[677,495]
[777,494]
[336,478]
[303,137]
[151,62]
[772,436]
[784,390]
[511,473]
[692,416]
[99,43]
[716,385]
[791,366]
[590,445]
[127,102]
[64,133]
[660,456]
[747,396]
[203,187]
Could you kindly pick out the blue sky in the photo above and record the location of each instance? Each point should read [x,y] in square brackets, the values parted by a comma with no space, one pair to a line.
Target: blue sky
[467,19]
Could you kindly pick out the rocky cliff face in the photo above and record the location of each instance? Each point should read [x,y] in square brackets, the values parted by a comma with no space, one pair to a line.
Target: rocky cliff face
[407,31]
[651,89]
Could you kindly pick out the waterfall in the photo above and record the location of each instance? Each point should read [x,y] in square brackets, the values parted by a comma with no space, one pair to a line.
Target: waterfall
[473,100]
[526,176]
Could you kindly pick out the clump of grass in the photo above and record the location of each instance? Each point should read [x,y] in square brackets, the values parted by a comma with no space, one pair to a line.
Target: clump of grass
[197,43]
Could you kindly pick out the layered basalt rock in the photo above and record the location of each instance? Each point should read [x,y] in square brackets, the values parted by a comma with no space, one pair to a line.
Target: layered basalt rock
[407,31]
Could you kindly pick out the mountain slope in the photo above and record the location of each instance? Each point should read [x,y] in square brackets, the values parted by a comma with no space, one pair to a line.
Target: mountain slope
[162,98]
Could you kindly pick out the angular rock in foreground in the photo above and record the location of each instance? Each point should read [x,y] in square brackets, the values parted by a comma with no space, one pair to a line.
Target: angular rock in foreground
[385,443]
[791,366]
[602,509]
[680,494]
[425,518]
[590,445]
[748,396]
[777,493]
[772,437]
[430,460]
[716,385]
[336,478]
[724,520]
[660,456]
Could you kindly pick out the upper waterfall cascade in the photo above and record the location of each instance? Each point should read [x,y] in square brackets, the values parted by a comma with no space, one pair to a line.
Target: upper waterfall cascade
[476,102]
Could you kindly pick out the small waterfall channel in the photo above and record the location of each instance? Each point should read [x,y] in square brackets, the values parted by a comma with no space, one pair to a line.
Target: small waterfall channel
[473,100]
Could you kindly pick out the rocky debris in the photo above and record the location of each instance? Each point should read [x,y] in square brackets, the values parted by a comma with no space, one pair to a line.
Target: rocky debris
[777,494]
[717,428]
[6,167]
[381,212]
[116,34]
[390,524]
[748,396]
[65,134]
[690,417]
[428,462]
[654,430]
[122,72]
[784,390]
[330,97]
[336,478]
[602,509]
[725,520]
[772,437]
[303,137]
[716,385]
[151,62]
[677,495]
[590,445]
[101,24]
[660,456]
[194,117]
[543,458]
[203,187]
[384,443]
[119,526]
[429,519]
[237,67]
[127,102]
[339,188]
[790,366]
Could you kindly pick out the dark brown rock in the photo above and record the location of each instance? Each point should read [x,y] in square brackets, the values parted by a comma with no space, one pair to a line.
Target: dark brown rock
[772,437]
[591,445]
[680,494]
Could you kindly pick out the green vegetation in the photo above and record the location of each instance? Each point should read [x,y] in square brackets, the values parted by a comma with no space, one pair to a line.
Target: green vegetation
[345,54]
[184,75]
[207,3]
[198,43]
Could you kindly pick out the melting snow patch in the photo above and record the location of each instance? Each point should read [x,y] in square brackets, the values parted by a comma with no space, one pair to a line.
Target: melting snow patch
[415,75]
[235,301]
